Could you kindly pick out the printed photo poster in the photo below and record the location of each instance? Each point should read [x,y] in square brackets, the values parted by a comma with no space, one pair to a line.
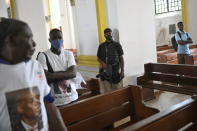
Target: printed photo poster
[24,109]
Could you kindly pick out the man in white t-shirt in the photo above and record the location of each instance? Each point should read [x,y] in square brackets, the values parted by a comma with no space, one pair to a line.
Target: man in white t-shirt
[60,69]
[25,97]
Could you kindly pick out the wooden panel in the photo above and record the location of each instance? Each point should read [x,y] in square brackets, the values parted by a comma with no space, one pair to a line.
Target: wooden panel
[82,91]
[96,104]
[165,52]
[172,88]
[93,85]
[164,77]
[176,79]
[147,94]
[189,60]
[85,96]
[103,110]
[189,70]
[165,47]
[192,46]
[102,120]
[169,120]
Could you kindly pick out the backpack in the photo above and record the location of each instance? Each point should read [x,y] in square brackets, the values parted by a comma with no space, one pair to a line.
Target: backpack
[50,69]
[174,42]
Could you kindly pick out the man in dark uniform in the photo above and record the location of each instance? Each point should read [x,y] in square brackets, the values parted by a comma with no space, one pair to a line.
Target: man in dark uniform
[110,57]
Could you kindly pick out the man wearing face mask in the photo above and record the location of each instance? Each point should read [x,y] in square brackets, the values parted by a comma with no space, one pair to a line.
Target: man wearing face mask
[110,57]
[60,69]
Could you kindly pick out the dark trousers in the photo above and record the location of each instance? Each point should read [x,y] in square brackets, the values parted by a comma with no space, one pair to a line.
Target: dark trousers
[181,58]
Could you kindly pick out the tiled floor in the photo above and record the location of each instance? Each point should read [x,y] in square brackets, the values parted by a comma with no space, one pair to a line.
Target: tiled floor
[165,100]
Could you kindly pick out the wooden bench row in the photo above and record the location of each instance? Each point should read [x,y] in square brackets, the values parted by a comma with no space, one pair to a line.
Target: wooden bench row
[192,59]
[92,88]
[102,111]
[169,56]
[174,78]
[169,77]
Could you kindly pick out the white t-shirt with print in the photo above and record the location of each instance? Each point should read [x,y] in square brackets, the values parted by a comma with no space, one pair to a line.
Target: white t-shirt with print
[61,63]
[22,84]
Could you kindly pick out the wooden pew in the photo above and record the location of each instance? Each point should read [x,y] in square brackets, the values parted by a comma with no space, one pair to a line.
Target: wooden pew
[170,57]
[103,110]
[193,46]
[160,53]
[172,119]
[170,77]
[175,78]
[164,47]
[165,52]
[90,89]
[192,59]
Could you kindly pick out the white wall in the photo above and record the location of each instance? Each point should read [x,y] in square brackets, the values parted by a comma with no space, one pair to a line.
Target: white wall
[137,35]
[112,17]
[32,12]
[192,19]
[111,10]
[3,9]
[66,21]
[162,23]
[87,27]
[55,13]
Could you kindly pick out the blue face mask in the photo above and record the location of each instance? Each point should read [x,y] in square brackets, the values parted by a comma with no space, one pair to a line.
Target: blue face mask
[57,43]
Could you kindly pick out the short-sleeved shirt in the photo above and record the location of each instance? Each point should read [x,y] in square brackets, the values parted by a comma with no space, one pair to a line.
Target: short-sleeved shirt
[60,63]
[110,52]
[23,87]
[182,49]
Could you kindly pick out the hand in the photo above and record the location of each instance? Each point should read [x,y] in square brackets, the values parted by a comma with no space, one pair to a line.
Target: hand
[63,85]
[122,74]
[104,65]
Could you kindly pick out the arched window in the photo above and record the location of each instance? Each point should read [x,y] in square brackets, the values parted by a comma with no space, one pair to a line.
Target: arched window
[164,6]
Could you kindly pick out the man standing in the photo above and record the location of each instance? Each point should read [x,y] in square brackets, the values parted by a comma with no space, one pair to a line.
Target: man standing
[183,39]
[110,57]
[60,69]
[20,74]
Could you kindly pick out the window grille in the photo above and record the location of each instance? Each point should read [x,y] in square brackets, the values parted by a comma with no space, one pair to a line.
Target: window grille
[164,6]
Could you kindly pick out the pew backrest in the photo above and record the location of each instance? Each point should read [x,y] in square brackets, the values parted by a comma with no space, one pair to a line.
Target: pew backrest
[164,47]
[192,59]
[170,77]
[91,88]
[103,110]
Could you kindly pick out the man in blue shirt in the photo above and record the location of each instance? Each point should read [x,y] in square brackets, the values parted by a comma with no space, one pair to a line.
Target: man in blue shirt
[183,39]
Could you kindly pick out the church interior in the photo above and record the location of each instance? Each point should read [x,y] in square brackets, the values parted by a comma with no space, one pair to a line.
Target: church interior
[144,28]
